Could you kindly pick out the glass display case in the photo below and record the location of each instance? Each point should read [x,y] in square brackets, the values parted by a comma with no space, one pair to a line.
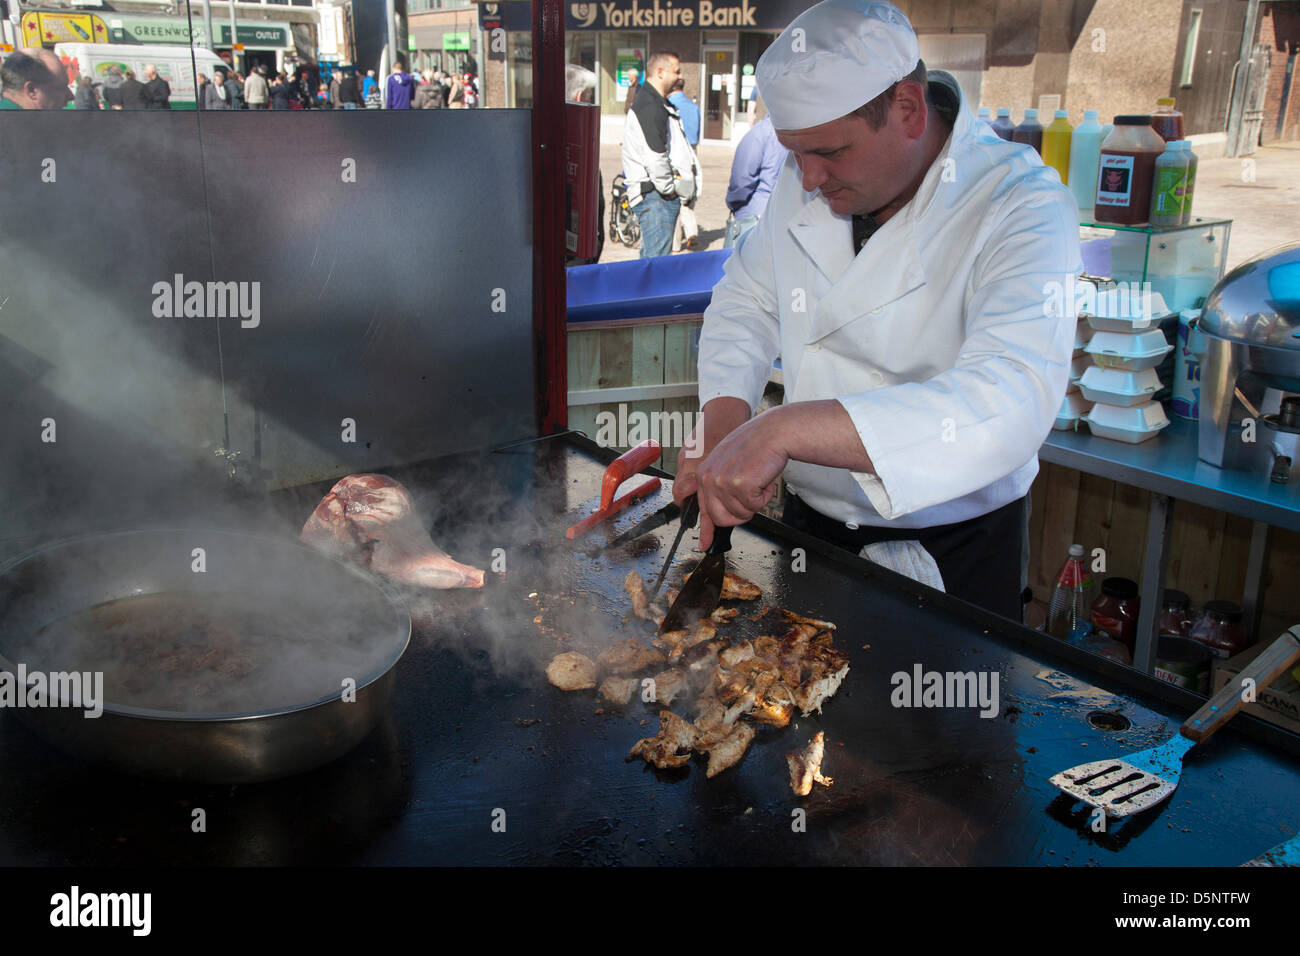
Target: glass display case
[1182,263]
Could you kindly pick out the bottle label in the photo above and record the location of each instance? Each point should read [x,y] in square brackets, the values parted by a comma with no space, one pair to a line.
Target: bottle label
[1109,626]
[1171,183]
[1115,180]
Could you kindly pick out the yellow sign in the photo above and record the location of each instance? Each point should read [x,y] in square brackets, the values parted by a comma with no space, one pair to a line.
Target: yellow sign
[239,47]
[47,29]
[6,48]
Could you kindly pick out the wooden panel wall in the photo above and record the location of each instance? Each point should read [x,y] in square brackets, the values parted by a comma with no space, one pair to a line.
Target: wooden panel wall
[1206,552]
[653,354]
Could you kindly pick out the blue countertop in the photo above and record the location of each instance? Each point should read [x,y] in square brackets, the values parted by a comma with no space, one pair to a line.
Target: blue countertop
[1167,465]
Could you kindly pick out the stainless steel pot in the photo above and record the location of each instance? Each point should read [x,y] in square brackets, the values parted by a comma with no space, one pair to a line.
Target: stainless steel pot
[281,737]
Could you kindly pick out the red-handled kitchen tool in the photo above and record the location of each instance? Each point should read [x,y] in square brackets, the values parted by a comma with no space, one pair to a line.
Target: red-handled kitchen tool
[620,469]
[1124,787]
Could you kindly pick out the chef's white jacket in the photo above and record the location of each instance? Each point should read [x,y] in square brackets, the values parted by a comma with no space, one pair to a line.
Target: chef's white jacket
[944,338]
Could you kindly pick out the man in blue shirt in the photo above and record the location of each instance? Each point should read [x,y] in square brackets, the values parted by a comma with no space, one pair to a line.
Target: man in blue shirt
[689,110]
[759,158]
[688,227]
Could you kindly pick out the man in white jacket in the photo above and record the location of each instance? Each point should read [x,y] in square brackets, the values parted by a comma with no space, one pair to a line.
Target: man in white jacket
[904,274]
[657,160]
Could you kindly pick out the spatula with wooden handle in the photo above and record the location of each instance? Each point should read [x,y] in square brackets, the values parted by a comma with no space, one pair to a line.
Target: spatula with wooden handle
[1124,787]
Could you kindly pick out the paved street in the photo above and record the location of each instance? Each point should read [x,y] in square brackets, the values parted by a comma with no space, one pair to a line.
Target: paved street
[1265,211]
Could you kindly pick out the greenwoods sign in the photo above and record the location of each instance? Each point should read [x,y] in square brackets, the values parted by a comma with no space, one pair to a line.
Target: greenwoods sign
[651,14]
[123,29]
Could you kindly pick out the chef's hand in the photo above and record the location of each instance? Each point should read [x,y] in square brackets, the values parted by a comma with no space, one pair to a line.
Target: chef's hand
[739,476]
[719,418]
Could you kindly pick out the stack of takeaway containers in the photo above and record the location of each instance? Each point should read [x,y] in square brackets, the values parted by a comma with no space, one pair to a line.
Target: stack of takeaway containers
[1127,347]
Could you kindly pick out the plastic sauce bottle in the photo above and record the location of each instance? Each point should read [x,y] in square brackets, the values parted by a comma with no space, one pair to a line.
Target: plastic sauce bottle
[1085,151]
[1167,121]
[1056,145]
[1168,189]
[1126,170]
[1030,132]
[1067,612]
[985,114]
[1190,188]
[1003,125]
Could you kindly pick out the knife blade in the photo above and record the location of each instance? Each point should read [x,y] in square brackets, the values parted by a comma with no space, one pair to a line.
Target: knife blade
[702,590]
[668,513]
[690,513]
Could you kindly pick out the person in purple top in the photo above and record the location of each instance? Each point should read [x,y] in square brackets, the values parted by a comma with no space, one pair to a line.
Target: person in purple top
[401,87]
[754,169]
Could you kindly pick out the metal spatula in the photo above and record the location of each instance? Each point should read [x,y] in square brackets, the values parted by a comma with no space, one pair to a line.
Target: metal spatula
[1124,787]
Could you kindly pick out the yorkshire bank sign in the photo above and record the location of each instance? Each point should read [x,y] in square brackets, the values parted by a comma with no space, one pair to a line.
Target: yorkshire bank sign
[653,15]
[703,14]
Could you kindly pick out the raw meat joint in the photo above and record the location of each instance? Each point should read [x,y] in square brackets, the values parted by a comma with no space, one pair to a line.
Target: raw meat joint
[370,520]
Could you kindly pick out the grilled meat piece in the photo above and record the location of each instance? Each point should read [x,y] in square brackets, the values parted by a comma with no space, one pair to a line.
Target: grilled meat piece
[736,588]
[800,619]
[806,766]
[641,605]
[698,633]
[669,685]
[822,673]
[619,690]
[736,653]
[671,747]
[370,520]
[728,751]
[628,657]
[571,671]
[721,614]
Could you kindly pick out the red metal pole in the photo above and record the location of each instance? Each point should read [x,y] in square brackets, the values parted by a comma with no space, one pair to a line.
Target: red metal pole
[548,217]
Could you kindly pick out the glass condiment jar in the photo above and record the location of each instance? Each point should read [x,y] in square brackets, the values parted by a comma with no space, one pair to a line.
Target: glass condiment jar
[1115,613]
[1218,627]
[1175,614]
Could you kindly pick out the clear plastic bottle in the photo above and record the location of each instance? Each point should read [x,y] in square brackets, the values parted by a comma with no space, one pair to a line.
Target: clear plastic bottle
[1169,186]
[1003,125]
[1067,612]
[1029,132]
[1190,189]
[1167,121]
[1056,145]
[1085,153]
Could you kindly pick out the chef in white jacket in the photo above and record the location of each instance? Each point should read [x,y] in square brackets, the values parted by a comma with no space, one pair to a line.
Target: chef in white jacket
[908,273]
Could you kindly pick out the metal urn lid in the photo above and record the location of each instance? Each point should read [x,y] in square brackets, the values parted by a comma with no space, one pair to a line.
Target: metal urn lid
[1259,301]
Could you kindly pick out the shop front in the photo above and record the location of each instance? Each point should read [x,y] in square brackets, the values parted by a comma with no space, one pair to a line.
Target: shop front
[444,40]
[719,44]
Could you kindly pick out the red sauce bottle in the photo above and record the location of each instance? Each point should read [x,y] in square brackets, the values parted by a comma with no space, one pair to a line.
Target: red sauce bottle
[1127,169]
[1030,132]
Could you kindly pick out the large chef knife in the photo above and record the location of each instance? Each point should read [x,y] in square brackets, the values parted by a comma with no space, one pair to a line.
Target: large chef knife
[665,515]
[702,590]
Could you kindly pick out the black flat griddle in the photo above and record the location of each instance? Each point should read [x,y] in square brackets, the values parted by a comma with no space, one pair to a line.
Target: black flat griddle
[476,730]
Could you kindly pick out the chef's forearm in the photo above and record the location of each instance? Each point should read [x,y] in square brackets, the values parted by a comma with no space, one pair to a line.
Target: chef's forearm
[819,433]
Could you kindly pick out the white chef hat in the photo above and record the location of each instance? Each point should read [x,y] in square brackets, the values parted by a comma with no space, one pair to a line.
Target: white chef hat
[832,59]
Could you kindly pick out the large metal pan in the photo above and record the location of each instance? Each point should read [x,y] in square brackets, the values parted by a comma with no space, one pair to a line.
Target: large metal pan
[287,731]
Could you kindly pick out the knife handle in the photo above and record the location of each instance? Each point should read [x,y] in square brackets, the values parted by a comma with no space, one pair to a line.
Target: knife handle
[721,541]
[625,466]
[1263,670]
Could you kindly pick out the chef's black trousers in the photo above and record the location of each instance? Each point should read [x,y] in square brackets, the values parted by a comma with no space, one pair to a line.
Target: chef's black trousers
[981,559]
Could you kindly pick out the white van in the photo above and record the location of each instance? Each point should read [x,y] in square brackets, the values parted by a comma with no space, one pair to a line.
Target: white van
[174,64]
